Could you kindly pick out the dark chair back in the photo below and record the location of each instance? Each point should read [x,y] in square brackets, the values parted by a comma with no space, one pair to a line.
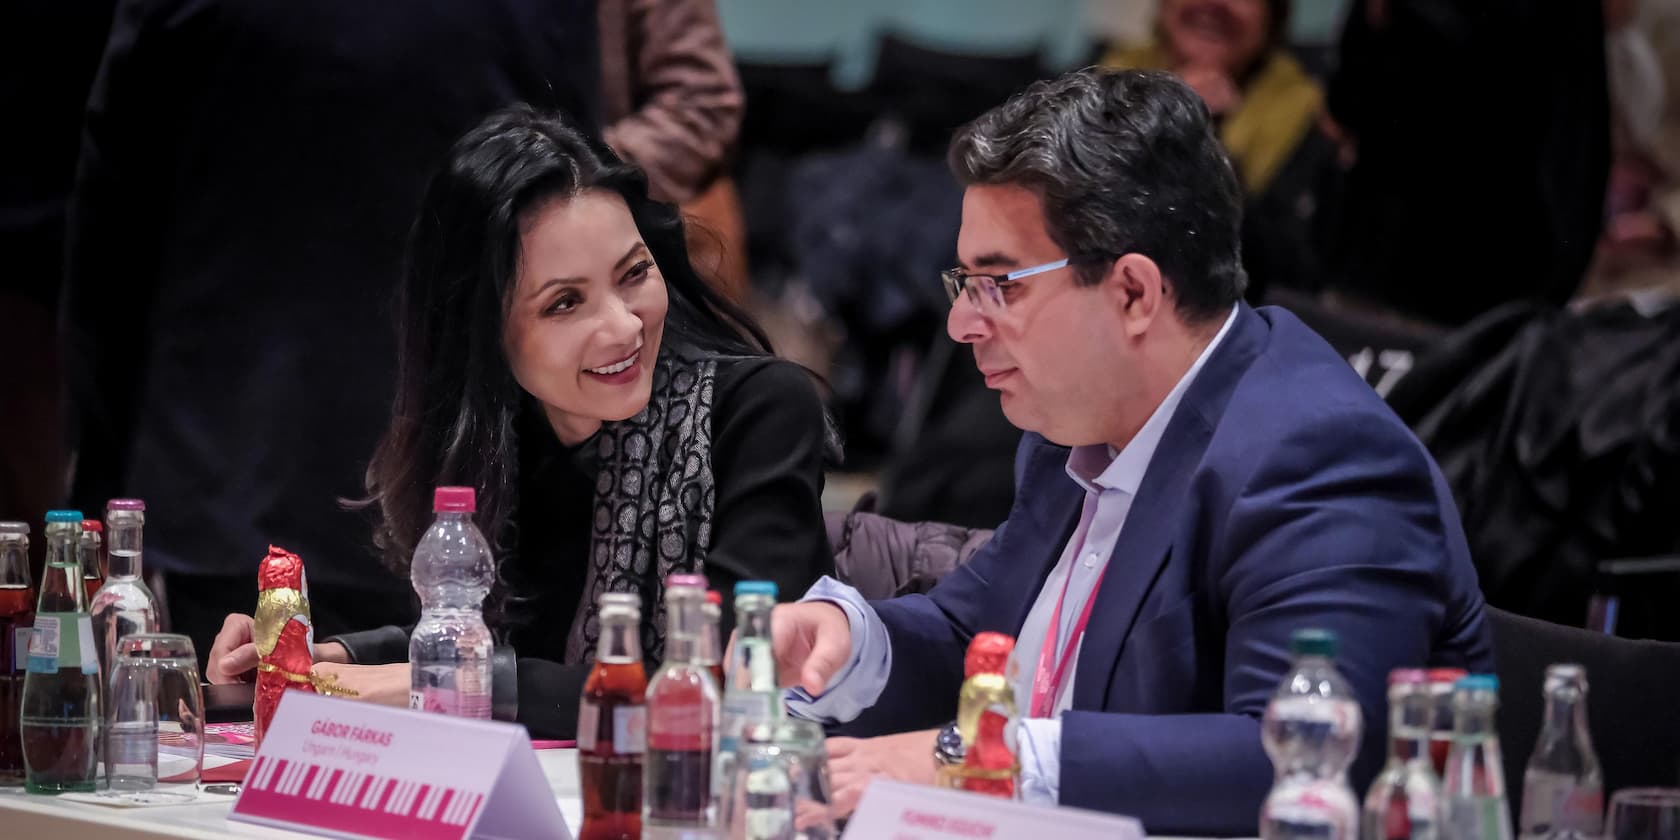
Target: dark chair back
[1633,701]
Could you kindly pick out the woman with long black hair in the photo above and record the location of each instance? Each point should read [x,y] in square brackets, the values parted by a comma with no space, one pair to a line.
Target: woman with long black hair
[620,420]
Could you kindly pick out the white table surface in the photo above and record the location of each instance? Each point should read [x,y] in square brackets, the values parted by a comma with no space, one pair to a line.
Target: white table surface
[24,815]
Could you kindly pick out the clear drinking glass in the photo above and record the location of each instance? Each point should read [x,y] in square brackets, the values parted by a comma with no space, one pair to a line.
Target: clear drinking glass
[1644,814]
[779,789]
[155,724]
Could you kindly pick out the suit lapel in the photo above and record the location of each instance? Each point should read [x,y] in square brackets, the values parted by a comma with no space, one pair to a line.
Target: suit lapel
[1144,547]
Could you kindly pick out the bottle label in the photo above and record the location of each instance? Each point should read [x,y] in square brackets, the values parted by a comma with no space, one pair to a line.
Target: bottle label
[62,640]
[44,644]
[630,730]
[589,722]
[678,727]
[20,647]
[440,700]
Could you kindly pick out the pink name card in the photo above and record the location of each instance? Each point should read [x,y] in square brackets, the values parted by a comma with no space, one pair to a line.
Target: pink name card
[898,811]
[340,768]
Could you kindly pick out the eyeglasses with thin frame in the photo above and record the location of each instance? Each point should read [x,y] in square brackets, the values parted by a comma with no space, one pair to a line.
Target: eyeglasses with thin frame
[985,291]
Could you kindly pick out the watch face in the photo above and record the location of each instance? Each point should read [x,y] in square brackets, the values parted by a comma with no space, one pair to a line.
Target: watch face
[948,746]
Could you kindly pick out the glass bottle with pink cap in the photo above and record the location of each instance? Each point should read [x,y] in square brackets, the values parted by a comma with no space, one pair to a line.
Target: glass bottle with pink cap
[123,605]
[683,707]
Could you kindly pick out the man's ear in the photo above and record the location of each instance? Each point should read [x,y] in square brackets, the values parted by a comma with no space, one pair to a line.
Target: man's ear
[1136,292]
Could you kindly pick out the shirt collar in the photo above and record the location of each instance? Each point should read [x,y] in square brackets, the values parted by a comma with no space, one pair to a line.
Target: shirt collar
[1098,467]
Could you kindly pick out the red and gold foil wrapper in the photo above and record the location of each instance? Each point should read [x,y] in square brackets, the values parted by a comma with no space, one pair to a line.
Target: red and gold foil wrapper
[283,634]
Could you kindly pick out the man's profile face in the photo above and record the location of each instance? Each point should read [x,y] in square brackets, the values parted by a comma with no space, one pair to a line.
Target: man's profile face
[1045,352]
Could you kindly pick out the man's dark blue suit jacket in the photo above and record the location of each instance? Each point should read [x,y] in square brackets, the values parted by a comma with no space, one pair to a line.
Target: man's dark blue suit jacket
[1284,494]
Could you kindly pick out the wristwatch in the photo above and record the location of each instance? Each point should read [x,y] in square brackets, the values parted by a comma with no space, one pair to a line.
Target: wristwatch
[948,747]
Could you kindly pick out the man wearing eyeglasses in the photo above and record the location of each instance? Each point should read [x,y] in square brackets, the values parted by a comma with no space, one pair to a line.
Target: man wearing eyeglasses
[1199,479]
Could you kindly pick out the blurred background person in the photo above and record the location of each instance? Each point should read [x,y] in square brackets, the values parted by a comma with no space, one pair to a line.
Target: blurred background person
[248,176]
[671,103]
[1638,250]
[1235,53]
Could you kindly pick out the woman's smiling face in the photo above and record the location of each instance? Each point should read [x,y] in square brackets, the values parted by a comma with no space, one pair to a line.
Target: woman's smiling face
[586,314]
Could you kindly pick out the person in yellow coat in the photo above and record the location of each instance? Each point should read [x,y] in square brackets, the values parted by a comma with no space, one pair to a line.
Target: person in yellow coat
[1231,52]
[1269,114]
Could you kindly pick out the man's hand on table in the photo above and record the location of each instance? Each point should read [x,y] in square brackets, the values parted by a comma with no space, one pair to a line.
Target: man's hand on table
[233,656]
[853,762]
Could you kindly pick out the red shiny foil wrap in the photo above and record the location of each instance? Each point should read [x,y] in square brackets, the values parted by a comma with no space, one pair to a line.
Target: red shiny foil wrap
[988,653]
[283,633]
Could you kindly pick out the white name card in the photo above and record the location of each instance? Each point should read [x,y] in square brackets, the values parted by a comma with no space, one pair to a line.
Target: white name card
[897,811]
[341,768]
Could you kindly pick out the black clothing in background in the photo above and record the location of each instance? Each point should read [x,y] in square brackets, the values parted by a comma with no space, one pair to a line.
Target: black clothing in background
[769,443]
[1559,434]
[249,173]
[49,51]
[1483,134]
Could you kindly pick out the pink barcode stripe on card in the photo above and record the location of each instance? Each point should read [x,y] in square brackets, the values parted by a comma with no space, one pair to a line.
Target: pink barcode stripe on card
[318,788]
[267,777]
[447,797]
[370,799]
[310,771]
[412,798]
[383,800]
[347,785]
[284,785]
[397,803]
[429,805]
[459,805]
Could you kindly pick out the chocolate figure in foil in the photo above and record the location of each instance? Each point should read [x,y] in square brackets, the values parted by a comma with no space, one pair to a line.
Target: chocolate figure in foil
[284,635]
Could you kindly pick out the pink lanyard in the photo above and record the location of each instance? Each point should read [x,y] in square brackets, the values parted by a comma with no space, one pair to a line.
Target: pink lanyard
[1046,684]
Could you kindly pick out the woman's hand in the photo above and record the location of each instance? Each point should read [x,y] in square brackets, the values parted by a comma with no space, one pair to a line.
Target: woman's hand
[386,685]
[233,656]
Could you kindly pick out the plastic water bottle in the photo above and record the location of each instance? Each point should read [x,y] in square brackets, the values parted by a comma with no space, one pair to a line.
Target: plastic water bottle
[449,653]
[1475,783]
[1311,731]
[1563,788]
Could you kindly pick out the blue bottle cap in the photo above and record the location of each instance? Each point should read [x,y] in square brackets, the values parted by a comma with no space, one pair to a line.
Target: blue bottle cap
[755,587]
[1478,682]
[64,516]
[1313,642]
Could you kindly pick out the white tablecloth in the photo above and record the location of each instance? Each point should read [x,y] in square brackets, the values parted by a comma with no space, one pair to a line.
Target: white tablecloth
[24,815]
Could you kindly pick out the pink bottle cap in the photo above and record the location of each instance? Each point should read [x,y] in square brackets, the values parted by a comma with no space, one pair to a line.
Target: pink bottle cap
[1408,676]
[696,581]
[126,504]
[454,500]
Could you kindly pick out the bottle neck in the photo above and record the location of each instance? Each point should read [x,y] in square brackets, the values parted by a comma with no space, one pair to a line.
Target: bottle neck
[711,637]
[752,617]
[123,547]
[1408,725]
[1474,721]
[1566,714]
[14,563]
[61,585]
[620,642]
[683,627]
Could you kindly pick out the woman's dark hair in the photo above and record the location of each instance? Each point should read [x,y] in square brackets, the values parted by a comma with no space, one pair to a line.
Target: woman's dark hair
[458,411]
